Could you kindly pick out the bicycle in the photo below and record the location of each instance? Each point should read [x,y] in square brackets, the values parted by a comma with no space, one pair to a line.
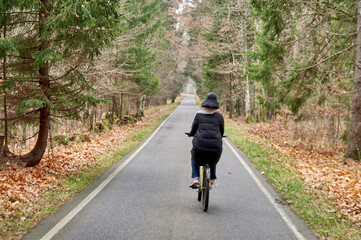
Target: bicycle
[205,184]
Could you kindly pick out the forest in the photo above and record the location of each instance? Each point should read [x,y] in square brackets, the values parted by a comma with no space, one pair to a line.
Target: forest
[284,59]
[85,63]
[71,68]
[88,62]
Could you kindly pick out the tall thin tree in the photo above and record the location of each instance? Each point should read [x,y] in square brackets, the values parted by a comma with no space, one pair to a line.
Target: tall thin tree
[354,140]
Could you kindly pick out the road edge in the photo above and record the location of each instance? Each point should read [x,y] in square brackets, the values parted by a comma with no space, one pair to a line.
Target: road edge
[57,220]
[291,219]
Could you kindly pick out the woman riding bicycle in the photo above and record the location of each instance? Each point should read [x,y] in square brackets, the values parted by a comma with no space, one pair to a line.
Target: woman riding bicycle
[207,129]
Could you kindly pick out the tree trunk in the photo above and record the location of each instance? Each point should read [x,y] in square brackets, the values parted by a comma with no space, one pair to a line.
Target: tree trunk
[252,103]
[117,108]
[138,108]
[35,155]
[1,141]
[238,106]
[114,107]
[354,139]
[247,99]
[92,118]
[4,147]
[142,105]
[121,108]
[230,97]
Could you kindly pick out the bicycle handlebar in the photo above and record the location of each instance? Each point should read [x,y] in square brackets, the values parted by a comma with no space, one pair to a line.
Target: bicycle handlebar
[189,135]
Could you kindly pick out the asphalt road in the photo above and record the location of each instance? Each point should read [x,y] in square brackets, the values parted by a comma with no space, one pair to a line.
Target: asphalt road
[149,198]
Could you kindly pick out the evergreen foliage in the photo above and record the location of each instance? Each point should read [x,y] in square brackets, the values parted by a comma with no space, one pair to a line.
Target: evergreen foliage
[46,45]
[268,55]
[330,56]
[145,22]
[74,31]
[261,56]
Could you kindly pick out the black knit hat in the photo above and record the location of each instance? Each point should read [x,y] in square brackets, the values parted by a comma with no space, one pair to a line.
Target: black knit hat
[211,101]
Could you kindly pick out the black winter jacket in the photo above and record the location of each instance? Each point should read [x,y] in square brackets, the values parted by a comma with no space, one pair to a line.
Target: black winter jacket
[207,129]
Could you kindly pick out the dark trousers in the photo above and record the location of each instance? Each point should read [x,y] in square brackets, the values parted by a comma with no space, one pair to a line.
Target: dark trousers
[195,170]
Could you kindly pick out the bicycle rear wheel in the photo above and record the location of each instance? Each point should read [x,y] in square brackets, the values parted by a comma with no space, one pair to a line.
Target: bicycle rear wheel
[205,190]
[201,187]
[205,196]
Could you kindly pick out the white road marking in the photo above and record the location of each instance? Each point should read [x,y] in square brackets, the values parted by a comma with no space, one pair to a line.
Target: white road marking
[86,200]
[268,195]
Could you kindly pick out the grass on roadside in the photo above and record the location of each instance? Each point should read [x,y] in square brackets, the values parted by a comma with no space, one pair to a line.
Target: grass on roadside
[318,210]
[53,199]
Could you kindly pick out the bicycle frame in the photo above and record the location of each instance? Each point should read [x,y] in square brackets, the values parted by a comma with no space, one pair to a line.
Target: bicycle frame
[207,171]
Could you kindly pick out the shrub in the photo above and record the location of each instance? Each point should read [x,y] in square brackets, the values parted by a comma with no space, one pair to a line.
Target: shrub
[61,139]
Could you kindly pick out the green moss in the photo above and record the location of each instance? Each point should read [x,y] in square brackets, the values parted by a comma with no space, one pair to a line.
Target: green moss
[61,139]
[354,155]
[102,126]
[80,138]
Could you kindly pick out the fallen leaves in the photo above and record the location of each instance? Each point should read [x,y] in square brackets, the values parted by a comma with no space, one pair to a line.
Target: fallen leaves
[325,171]
[21,187]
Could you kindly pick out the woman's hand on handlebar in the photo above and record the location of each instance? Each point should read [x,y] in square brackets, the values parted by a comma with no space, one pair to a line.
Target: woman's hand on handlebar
[189,135]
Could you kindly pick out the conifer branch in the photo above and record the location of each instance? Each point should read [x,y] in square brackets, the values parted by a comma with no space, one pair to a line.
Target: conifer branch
[324,60]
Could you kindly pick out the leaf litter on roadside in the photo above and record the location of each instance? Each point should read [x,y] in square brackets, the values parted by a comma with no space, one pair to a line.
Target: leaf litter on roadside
[325,171]
[23,186]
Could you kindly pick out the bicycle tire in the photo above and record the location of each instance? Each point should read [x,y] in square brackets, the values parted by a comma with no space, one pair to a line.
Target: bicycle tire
[205,191]
[200,187]
[205,196]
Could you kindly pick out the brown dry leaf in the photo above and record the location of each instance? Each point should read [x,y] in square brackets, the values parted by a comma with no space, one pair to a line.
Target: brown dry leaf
[338,176]
[27,184]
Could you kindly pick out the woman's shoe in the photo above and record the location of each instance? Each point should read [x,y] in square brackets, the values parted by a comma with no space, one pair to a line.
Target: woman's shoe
[194,183]
[213,183]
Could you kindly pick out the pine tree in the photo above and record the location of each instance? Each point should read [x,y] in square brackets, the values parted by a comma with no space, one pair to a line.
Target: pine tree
[54,40]
[139,56]
[268,52]
[228,46]
[320,60]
